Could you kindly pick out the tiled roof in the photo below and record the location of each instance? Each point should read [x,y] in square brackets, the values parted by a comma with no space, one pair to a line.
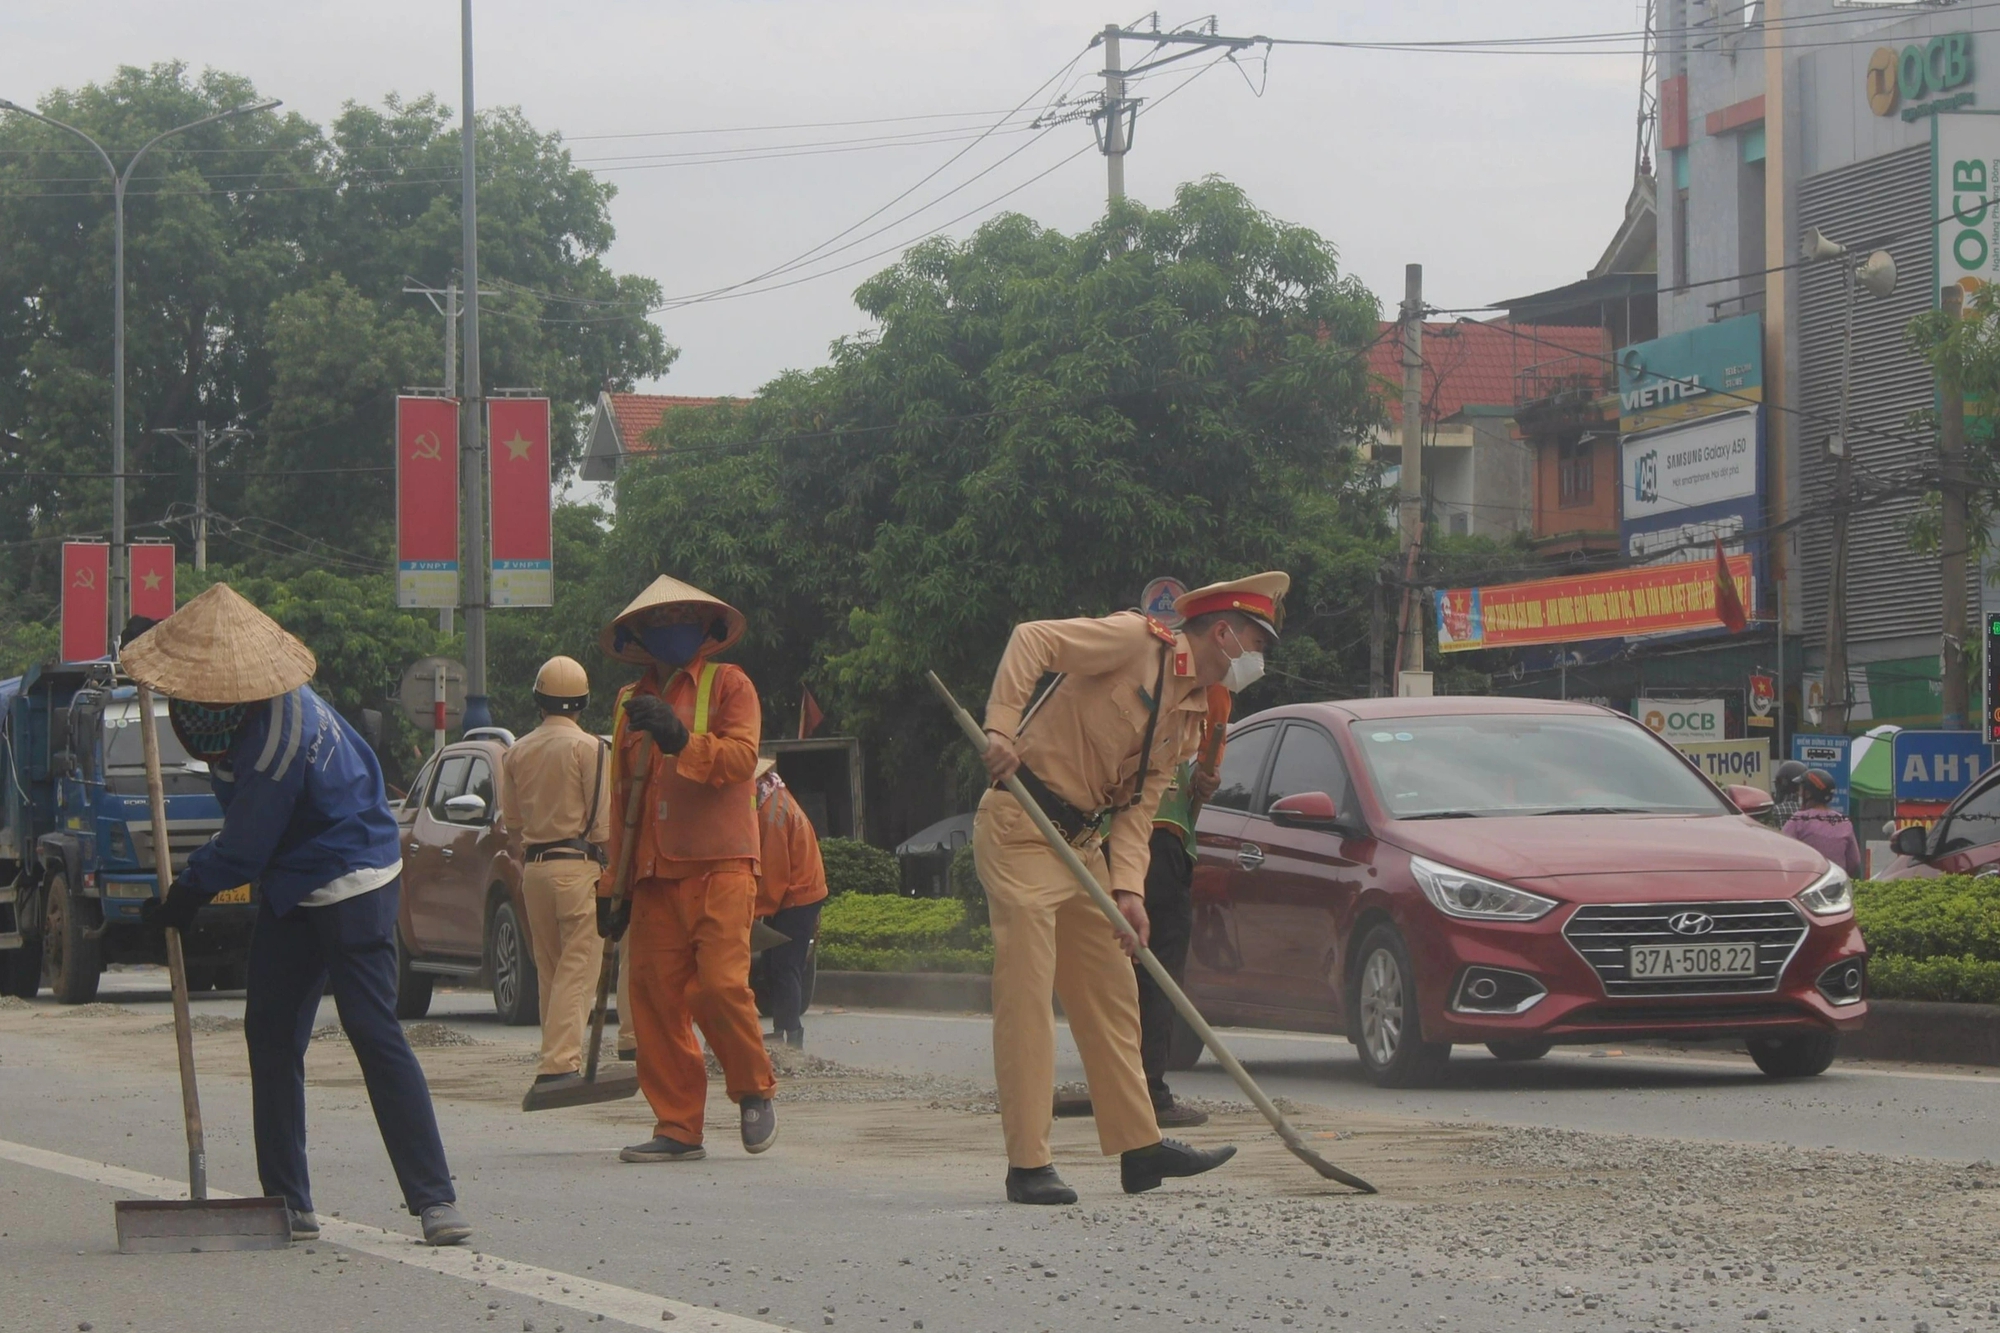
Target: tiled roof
[1471,365]
[638,413]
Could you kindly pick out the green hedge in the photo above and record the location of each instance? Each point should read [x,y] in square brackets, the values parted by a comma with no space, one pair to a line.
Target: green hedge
[1931,939]
[853,866]
[879,933]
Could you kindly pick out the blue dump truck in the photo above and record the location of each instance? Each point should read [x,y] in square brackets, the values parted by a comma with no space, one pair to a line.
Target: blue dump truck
[76,838]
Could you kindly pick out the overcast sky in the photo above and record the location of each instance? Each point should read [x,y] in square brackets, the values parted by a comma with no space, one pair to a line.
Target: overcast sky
[1500,174]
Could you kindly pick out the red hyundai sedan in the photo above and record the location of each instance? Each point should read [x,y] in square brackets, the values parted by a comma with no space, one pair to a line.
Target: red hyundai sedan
[1416,873]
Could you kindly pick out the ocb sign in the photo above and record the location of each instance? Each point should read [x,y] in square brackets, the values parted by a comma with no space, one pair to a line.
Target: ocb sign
[1680,720]
[1942,64]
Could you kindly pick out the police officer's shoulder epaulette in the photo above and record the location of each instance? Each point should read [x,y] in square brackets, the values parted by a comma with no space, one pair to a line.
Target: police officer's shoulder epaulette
[1160,630]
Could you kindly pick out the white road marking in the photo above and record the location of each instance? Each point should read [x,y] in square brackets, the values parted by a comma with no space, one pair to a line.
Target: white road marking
[636,1308]
[1235,1035]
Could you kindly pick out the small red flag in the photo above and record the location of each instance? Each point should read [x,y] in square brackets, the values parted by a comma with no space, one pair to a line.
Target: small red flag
[1728,605]
[809,714]
[153,580]
[86,600]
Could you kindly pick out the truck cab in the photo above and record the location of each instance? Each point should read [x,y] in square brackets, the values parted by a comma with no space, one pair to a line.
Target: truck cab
[76,835]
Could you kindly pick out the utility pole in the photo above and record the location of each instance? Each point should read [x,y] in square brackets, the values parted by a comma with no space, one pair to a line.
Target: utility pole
[1116,114]
[1838,687]
[1410,652]
[202,443]
[1375,644]
[1951,532]
[1116,142]
[472,457]
[444,300]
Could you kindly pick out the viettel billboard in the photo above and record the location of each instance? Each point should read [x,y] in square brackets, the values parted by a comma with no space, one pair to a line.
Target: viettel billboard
[1715,368]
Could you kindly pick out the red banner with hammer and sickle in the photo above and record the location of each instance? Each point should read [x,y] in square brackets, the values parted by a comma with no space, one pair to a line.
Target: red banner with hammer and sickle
[426,501]
[86,600]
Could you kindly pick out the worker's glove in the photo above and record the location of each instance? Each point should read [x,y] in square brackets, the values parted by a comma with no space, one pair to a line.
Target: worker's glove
[176,910]
[656,718]
[613,917]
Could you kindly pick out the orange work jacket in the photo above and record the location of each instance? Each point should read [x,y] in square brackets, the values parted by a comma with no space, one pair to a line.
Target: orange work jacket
[793,874]
[699,812]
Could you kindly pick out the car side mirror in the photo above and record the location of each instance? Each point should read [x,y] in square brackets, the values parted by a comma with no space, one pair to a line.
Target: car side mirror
[1911,842]
[466,809]
[1750,800]
[1310,810]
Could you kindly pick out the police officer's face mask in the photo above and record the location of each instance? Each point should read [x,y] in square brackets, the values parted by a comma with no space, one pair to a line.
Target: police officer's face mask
[1245,669]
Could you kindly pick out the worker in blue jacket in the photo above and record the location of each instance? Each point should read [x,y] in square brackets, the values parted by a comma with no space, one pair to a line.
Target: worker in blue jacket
[304,819]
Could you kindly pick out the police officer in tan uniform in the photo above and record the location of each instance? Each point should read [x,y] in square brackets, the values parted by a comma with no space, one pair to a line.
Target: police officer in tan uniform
[557,806]
[1096,750]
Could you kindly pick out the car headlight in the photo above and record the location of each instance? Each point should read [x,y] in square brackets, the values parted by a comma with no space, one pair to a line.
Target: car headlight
[1832,894]
[1456,893]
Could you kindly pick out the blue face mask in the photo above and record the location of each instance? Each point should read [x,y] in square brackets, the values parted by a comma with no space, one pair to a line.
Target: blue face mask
[674,645]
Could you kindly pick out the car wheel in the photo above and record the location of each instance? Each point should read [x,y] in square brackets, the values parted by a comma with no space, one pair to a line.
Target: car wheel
[1386,1029]
[1184,1046]
[200,977]
[71,960]
[232,976]
[1525,1049]
[413,988]
[1794,1057]
[513,972]
[21,970]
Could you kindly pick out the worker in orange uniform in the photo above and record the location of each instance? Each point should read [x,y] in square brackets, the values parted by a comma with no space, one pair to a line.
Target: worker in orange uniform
[558,813]
[1126,708]
[694,867]
[793,888]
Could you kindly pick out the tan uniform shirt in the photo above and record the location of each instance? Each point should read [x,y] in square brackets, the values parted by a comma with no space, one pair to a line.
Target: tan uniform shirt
[547,794]
[1083,741]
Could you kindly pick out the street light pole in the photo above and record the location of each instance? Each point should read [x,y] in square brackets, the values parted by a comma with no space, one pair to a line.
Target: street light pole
[119,180]
[472,456]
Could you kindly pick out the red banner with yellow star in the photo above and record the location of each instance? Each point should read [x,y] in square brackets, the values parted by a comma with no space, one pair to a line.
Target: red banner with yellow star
[519,486]
[153,579]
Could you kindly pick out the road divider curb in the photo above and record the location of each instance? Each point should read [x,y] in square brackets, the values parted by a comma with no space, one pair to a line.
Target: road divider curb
[949,992]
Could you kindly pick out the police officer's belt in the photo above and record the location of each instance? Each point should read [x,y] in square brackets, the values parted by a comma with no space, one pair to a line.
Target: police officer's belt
[1078,827]
[565,849]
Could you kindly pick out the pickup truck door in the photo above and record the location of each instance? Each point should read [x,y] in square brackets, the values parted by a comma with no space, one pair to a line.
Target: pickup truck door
[430,854]
[475,843]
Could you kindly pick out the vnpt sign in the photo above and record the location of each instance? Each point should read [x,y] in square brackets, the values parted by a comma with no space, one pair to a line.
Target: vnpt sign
[1919,71]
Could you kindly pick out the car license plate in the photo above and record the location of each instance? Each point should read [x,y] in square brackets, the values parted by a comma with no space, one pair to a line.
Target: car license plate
[239,894]
[1661,961]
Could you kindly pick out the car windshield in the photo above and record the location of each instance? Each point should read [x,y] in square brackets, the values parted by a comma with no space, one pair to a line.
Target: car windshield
[1474,765]
[122,746]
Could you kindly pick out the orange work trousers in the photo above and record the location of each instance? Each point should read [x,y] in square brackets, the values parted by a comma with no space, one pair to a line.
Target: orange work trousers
[690,956]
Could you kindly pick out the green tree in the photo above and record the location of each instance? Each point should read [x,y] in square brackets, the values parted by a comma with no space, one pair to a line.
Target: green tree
[1037,424]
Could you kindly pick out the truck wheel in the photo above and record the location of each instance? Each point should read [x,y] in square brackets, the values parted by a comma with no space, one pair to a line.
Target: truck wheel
[71,962]
[1184,1047]
[21,970]
[1387,1029]
[413,988]
[1794,1057]
[513,971]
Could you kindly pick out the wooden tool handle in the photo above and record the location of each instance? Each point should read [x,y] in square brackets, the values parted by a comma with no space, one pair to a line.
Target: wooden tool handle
[163,872]
[621,887]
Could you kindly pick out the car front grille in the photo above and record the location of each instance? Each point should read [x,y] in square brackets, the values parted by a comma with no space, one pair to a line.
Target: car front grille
[1604,933]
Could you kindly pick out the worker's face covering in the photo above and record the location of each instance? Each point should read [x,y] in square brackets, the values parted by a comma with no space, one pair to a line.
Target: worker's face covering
[206,730]
[675,645]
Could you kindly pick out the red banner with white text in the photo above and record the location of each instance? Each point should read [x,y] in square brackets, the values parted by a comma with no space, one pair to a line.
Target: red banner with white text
[426,501]
[152,579]
[86,600]
[520,504]
[1624,603]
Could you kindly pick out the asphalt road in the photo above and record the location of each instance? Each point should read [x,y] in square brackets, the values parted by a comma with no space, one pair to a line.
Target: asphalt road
[815,1236]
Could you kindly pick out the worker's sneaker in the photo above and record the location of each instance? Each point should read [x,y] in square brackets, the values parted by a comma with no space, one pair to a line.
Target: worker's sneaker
[660,1148]
[445,1225]
[760,1123]
[305,1224]
[1037,1184]
[1177,1114]
[1143,1169]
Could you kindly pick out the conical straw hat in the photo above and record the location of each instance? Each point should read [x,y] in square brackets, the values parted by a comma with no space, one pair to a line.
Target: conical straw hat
[218,649]
[665,590]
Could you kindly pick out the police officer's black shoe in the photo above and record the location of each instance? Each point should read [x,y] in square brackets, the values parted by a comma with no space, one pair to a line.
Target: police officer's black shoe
[1037,1184]
[1143,1169]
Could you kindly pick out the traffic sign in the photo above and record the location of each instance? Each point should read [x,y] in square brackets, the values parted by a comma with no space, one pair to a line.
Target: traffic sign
[1829,754]
[1937,765]
[418,693]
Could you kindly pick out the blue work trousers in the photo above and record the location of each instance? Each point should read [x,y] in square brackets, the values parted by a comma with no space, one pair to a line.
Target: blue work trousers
[350,945]
[787,967]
